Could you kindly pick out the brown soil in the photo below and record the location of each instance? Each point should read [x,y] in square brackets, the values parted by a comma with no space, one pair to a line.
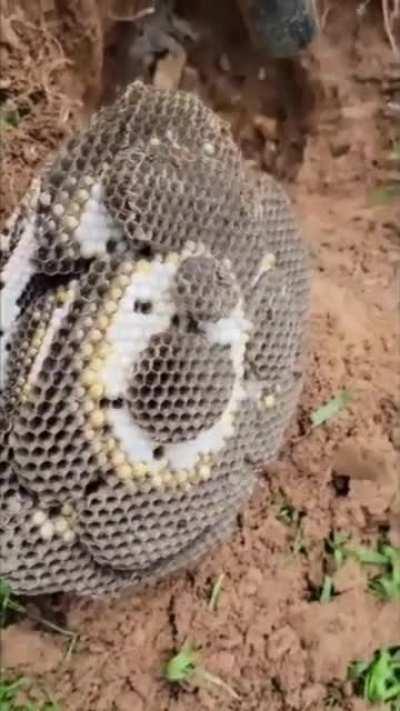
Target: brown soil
[321,127]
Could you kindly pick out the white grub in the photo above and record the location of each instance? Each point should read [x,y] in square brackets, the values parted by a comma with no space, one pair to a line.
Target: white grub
[209,148]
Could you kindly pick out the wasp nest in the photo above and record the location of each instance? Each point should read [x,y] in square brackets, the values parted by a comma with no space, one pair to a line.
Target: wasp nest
[153,300]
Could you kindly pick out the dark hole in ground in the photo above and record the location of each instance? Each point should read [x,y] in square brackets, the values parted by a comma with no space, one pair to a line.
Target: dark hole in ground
[279,89]
[341,484]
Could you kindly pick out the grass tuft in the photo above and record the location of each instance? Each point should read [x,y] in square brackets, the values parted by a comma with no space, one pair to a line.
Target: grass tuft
[181,667]
[336,546]
[379,680]
[386,583]
[288,515]
[11,691]
[185,669]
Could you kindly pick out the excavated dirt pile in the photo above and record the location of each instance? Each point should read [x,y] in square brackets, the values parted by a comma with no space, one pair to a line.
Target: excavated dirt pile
[324,127]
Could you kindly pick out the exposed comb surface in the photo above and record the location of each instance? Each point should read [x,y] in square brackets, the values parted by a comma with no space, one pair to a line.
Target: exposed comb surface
[154,296]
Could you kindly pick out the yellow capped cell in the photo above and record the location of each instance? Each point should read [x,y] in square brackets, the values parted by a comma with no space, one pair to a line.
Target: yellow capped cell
[96,391]
[117,458]
[204,472]
[103,322]
[143,266]
[88,377]
[124,471]
[110,307]
[96,335]
[269,401]
[140,469]
[97,418]
[116,294]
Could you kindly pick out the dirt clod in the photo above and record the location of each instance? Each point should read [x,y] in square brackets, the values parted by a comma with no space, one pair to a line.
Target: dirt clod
[24,650]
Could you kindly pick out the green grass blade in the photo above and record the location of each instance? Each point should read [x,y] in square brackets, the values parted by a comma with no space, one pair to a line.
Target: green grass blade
[182,665]
[357,670]
[327,590]
[331,409]
[216,593]
[385,588]
[368,556]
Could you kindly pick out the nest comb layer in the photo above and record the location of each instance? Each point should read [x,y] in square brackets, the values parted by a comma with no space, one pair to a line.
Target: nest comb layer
[153,300]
